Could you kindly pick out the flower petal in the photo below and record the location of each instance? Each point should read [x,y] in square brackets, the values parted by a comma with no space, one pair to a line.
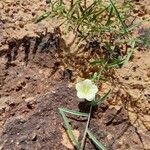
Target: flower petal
[86,89]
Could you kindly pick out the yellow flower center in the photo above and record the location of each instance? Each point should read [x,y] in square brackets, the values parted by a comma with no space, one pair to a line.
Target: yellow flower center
[85,89]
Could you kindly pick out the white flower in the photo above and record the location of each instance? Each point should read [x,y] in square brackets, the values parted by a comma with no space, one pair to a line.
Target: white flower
[86,90]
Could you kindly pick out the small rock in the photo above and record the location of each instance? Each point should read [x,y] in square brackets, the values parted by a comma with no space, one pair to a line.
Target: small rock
[34,137]
[21,25]
[11,104]
[23,83]
[126,77]
[30,99]
[29,105]
[146,79]
[27,77]
[18,88]
[23,96]
[109,136]
[7,101]
[148,74]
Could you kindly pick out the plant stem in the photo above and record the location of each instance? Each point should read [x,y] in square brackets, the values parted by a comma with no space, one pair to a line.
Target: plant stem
[86,128]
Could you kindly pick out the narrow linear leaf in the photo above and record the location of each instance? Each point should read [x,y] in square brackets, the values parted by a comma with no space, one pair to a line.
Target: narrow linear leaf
[118,15]
[104,97]
[102,78]
[108,47]
[109,17]
[94,77]
[73,112]
[69,130]
[137,24]
[43,16]
[100,12]
[115,63]
[99,101]
[81,9]
[127,58]
[98,144]
[130,52]
[97,62]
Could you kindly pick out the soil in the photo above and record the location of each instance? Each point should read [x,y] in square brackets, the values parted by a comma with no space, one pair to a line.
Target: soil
[34,85]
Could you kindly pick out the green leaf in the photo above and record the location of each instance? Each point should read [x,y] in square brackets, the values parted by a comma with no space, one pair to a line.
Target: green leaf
[115,63]
[137,24]
[99,101]
[96,14]
[81,10]
[104,97]
[43,16]
[97,62]
[102,78]
[108,47]
[73,112]
[95,76]
[98,144]
[109,17]
[118,15]
[128,56]
[130,52]
[69,129]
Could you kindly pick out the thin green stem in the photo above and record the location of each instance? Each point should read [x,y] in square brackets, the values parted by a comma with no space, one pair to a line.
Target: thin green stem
[86,128]
[100,72]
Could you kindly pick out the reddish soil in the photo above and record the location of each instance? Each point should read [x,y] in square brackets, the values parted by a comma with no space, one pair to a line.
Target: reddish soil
[31,92]
[36,124]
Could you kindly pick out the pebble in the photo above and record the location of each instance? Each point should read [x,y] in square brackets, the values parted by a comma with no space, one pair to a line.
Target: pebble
[147,79]
[27,77]
[34,137]
[23,96]
[21,25]
[148,74]
[30,99]
[126,77]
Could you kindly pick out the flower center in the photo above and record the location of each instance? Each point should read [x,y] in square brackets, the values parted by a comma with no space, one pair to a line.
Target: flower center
[86,89]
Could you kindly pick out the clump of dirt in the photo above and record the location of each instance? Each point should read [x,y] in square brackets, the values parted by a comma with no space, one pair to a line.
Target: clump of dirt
[27,65]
